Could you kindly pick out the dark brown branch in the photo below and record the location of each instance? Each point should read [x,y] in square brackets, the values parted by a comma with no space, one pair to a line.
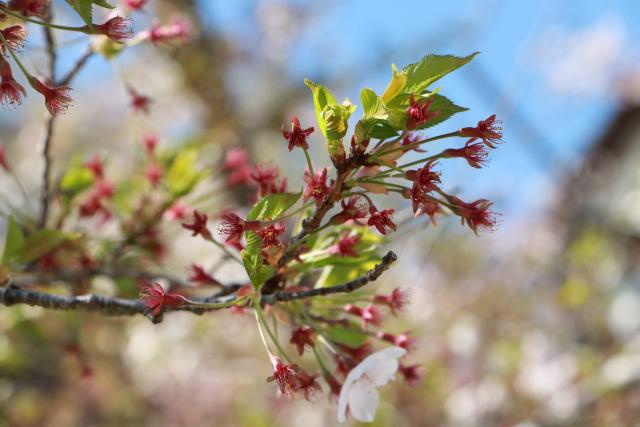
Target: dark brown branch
[46,149]
[12,294]
[351,286]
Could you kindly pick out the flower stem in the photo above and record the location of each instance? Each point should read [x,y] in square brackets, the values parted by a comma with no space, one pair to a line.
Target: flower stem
[84,30]
[226,250]
[309,165]
[263,322]
[418,143]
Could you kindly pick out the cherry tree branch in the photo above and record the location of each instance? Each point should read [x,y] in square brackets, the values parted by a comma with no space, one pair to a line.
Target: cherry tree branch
[12,294]
[370,276]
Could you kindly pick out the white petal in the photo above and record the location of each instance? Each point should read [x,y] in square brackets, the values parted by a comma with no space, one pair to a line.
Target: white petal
[363,401]
[378,367]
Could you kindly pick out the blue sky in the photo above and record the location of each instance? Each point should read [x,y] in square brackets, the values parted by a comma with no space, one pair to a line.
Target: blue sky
[546,132]
[351,44]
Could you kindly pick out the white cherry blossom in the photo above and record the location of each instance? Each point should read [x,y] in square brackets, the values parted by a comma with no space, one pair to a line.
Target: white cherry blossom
[359,394]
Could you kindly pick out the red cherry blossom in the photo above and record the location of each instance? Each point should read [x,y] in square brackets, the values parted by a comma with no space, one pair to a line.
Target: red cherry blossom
[411,138]
[199,225]
[381,220]
[30,7]
[397,300]
[236,162]
[178,31]
[369,315]
[474,153]
[297,136]
[95,166]
[139,103]
[285,376]
[150,142]
[135,4]
[176,212]
[302,337]
[116,28]
[345,245]
[309,387]
[488,130]
[200,276]
[403,340]
[425,177]
[317,187]
[334,386]
[154,173]
[357,353]
[352,210]
[56,99]
[155,298]
[270,233]
[233,227]
[15,36]
[418,112]
[412,374]
[11,92]
[476,215]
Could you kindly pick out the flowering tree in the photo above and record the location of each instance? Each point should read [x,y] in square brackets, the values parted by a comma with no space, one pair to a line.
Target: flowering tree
[308,255]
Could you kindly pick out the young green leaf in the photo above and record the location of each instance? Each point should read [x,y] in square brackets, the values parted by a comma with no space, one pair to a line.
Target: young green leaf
[84,8]
[430,69]
[76,179]
[41,242]
[14,241]
[272,206]
[372,105]
[347,336]
[269,207]
[252,260]
[183,174]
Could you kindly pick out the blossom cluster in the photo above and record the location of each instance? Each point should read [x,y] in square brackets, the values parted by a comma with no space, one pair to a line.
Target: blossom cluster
[116,29]
[308,255]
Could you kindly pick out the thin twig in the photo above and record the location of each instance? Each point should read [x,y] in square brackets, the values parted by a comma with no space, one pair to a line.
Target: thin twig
[46,149]
[77,67]
[351,286]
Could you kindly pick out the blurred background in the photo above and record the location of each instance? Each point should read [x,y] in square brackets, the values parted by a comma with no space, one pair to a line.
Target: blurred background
[537,324]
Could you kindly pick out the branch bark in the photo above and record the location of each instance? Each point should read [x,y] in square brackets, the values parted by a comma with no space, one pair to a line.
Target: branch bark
[12,294]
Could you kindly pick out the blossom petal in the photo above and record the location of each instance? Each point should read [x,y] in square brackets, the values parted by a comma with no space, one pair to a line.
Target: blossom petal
[376,369]
[363,401]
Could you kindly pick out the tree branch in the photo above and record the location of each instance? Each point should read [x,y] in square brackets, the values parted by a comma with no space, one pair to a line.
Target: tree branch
[46,149]
[351,286]
[12,294]
[80,63]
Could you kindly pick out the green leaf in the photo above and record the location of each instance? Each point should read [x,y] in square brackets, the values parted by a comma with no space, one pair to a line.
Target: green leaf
[14,241]
[41,242]
[322,98]
[272,206]
[183,174]
[76,179]
[269,207]
[347,336]
[372,105]
[84,8]
[338,274]
[332,118]
[430,69]
[443,105]
[257,270]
